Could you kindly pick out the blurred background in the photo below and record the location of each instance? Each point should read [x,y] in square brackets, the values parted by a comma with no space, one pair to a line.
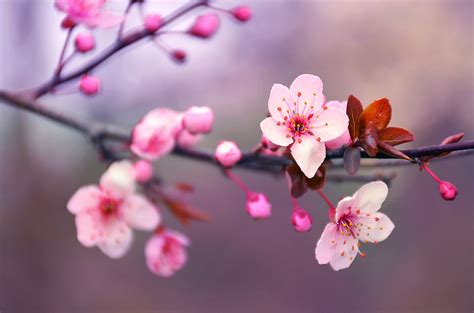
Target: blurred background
[419,54]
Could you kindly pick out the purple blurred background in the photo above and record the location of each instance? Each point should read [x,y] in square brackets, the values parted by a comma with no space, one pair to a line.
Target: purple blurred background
[419,54]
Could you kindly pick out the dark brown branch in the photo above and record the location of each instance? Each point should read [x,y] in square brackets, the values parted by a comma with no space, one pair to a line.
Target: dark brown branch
[119,44]
[273,164]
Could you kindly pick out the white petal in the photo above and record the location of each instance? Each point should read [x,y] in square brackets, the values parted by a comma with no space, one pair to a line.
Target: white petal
[330,123]
[375,228]
[326,246]
[343,206]
[311,89]
[84,198]
[369,198]
[309,154]
[280,97]
[346,251]
[274,133]
[88,228]
[116,240]
[119,179]
[140,213]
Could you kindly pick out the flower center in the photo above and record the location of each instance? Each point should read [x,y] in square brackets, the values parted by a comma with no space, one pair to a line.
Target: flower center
[298,124]
[108,206]
[345,225]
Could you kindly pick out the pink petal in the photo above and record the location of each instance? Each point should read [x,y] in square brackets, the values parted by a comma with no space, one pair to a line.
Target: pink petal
[330,123]
[88,228]
[62,5]
[340,141]
[309,154]
[85,198]
[310,88]
[117,239]
[369,198]
[274,133]
[108,19]
[119,179]
[279,97]
[375,228]
[337,104]
[326,248]
[343,206]
[346,251]
[140,213]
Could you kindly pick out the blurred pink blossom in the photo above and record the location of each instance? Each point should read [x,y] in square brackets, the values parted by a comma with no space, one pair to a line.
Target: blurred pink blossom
[89,85]
[90,13]
[84,42]
[143,171]
[152,22]
[300,119]
[106,214]
[205,25]
[228,153]
[242,13]
[258,205]
[165,252]
[301,220]
[198,120]
[357,218]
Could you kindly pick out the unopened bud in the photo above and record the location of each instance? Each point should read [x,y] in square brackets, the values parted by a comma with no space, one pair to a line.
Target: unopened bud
[301,220]
[153,22]
[205,26]
[84,42]
[447,190]
[227,153]
[258,205]
[89,85]
[242,13]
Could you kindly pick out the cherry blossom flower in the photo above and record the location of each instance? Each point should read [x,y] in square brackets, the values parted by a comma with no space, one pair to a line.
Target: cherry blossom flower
[345,138]
[299,119]
[357,219]
[155,135]
[90,13]
[165,252]
[106,214]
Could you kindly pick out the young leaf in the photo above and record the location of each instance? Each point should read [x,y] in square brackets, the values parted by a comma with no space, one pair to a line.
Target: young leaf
[395,136]
[390,150]
[351,160]
[452,139]
[354,110]
[369,140]
[298,187]
[317,182]
[185,213]
[378,113]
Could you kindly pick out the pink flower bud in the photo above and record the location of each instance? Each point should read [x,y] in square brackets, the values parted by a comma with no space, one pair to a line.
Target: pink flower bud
[89,85]
[301,220]
[179,56]
[448,191]
[227,153]
[143,171]
[258,206]
[198,120]
[267,144]
[67,23]
[205,26]
[153,22]
[242,13]
[84,42]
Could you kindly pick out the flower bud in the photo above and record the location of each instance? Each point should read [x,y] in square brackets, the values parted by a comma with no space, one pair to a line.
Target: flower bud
[153,22]
[267,144]
[205,26]
[187,140]
[227,153]
[89,85]
[84,42]
[67,23]
[258,206]
[448,191]
[143,171]
[301,220]
[179,56]
[198,120]
[242,13]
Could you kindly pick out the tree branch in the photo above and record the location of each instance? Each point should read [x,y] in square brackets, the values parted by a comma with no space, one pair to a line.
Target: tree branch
[98,132]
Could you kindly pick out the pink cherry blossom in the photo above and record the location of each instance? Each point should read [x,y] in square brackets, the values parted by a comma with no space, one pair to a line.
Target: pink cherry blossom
[106,214]
[258,205]
[301,220]
[143,171]
[205,25]
[357,219]
[345,138]
[186,140]
[165,252]
[153,22]
[90,13]
[154,136]
[198,120]
[242,13]
[299,119]
[228,153]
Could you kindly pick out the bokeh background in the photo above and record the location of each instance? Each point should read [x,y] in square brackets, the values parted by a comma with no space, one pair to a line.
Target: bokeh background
[419,54]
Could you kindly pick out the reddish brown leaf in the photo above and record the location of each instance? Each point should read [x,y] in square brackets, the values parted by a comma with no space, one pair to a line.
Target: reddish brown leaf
[185,213]
[378,113]
[369,140]
[317,182]
[395,136]
[390,150]
[452,139]
[354,110]
[298,187]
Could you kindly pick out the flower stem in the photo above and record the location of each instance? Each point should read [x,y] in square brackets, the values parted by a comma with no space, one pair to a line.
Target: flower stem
[61,61]
[431,173]
[332,208]
[237,181]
